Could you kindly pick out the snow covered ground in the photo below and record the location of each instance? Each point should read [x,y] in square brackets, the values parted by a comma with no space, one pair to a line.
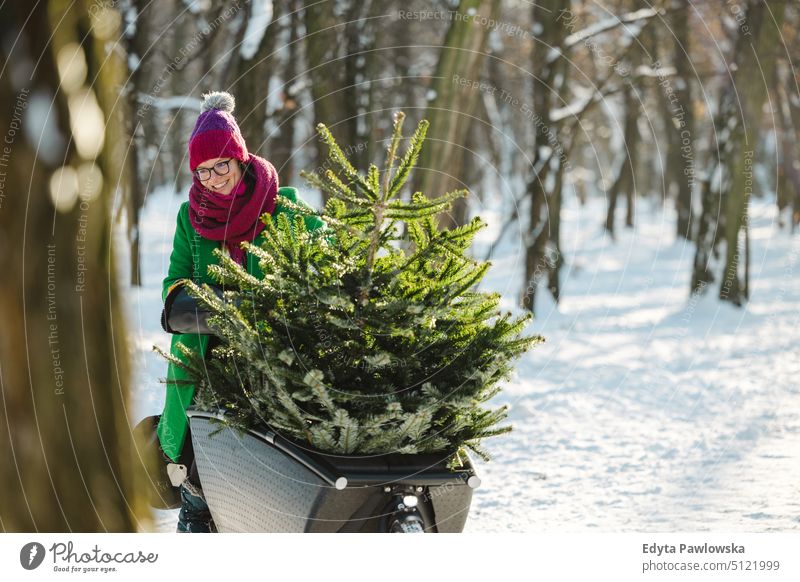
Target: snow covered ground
[645,410]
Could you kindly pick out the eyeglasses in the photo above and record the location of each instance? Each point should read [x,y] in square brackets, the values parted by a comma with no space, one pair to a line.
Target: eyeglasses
[220,169]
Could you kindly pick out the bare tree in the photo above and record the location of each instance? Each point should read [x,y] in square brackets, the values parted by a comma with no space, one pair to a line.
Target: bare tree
[556,123]
[625,181]
[249,75]
[679,121]
[136,47]
[282,137]
[341,53]
[549,77]
[452,103]
[787,100]
[726,192]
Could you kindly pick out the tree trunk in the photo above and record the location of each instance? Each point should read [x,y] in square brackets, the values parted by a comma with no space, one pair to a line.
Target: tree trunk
[788,106]
[64,370]
[451,104]
[325,70]
[360,39]
[182,82]
[556,259]
[537,262]
[135,193]
[625,182]
[681,166]
[755,56]
[708,228]
[282,139]
[251,82]
[794,112]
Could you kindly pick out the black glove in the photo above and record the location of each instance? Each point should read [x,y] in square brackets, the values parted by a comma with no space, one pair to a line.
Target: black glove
[181,313]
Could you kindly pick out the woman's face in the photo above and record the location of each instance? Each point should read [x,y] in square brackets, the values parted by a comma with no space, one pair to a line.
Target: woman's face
[225,183]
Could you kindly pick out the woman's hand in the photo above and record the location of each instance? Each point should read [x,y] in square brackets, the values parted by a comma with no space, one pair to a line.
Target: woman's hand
[182,314]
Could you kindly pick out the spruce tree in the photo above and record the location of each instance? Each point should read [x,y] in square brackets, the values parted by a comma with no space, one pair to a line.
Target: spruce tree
[367,336]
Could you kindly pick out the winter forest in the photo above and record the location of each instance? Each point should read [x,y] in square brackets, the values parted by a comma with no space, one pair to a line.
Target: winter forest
[635,165]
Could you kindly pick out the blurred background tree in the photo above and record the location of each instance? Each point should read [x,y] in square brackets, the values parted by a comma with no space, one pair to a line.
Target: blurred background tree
[528,104]
[69,461]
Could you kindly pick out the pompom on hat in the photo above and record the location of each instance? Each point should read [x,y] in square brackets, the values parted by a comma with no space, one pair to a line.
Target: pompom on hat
[216,133]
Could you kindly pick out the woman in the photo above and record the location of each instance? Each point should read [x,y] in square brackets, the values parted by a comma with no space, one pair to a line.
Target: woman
[231,189]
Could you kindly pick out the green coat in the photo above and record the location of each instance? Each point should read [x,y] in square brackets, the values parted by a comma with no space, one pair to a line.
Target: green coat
[190,258]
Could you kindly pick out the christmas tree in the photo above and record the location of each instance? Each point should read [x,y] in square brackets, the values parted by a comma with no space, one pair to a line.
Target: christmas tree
[367,336]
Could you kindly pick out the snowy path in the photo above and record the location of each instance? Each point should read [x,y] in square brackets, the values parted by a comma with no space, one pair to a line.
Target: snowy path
[643,411]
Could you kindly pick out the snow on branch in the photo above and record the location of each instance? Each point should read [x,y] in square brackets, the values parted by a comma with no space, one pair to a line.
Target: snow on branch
[257,25]
[573,109]
[637,16]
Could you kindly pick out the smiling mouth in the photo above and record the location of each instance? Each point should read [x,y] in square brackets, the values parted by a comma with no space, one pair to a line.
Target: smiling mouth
[220,186]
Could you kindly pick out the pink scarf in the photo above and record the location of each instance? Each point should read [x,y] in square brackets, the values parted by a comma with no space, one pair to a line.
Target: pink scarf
[234,217]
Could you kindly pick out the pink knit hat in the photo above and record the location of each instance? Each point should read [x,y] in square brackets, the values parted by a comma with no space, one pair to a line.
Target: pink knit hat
[216,134]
